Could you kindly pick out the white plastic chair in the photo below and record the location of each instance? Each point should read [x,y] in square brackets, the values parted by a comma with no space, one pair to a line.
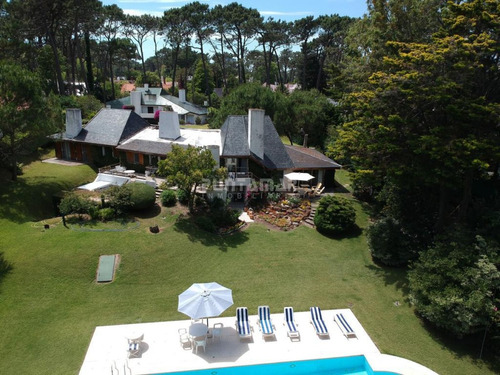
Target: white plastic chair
[200,342]
[184,338]
[217,331]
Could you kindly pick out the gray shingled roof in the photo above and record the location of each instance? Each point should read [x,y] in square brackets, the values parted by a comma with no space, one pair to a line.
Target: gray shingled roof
[234,133]
[146,146]
[119,103]
[308,158]
[111,126]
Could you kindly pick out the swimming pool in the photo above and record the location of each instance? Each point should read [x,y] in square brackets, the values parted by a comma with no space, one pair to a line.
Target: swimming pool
[356,365]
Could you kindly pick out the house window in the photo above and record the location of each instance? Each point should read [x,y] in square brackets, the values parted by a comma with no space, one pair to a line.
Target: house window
[151,110]
[136,158]
[103,150]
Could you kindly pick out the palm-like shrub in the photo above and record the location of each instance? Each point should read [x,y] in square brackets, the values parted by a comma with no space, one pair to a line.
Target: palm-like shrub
[335,216]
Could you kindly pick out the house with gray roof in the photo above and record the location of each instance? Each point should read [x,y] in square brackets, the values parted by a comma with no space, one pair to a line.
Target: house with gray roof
[147,100]
[247,145]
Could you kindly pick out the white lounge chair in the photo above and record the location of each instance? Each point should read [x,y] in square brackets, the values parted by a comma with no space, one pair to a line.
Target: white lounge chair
[242,325]
[344,326]
[289,323]
[265,323]
[318,323]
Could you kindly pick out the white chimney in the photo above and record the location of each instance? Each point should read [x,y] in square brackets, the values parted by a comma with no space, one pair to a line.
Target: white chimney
[146,86]
[182,95]
[73,122]
[135,100]
[215,154]
[169,125]
[256,131]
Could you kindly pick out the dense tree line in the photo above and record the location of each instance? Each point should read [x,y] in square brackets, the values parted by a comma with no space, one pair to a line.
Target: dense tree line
[407,98]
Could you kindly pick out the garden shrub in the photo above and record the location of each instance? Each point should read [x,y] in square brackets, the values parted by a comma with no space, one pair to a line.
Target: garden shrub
[197,120]
[119,199]
[74,204]
[335,216]
[182,196]
[205,223]
[455,284]
[168,198]
[106,214]
[142,196]
[294,200]
[388,243]
[274,196]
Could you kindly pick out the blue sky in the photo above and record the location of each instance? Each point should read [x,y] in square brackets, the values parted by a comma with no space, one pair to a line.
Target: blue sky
[287,10]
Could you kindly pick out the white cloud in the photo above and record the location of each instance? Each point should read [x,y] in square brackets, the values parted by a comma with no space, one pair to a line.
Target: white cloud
[140,12]
[283,14]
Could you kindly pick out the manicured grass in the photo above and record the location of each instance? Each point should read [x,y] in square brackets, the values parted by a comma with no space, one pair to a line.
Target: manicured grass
[50,303]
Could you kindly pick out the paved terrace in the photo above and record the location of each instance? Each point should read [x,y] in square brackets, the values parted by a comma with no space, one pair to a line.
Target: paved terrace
[162,352]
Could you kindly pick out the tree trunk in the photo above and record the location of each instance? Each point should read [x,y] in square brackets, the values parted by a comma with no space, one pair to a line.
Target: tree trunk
[113,97]
[88,61]
[205,71]
[57,63]
[176,56]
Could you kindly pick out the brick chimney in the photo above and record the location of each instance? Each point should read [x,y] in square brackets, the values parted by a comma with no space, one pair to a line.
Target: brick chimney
[168,125]
[73,122]
[256,131]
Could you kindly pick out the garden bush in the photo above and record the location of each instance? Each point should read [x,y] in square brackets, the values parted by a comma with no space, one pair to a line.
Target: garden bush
[455,284]
[335,216]
[388,243]
[182,196]
[142,196]
[106,214]
[74,204]
[168,198]
[274,196]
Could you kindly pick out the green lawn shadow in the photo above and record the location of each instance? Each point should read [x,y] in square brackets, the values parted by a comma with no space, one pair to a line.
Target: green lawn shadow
[223,243]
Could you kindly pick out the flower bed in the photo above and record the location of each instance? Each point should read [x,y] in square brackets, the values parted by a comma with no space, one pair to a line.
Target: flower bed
[283,214]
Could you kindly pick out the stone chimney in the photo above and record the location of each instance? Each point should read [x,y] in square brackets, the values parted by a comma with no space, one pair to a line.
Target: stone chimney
[182,95]
[305,140]
[169,125]
[256,131]
[135,100]
[73,122]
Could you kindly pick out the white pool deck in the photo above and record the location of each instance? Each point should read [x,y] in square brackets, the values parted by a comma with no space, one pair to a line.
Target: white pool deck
[162,352]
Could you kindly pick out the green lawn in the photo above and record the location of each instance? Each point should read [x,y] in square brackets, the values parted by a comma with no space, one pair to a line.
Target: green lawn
[50,304]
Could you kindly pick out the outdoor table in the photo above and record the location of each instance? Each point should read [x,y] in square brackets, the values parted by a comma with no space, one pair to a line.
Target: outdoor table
[129,171]
[198,329]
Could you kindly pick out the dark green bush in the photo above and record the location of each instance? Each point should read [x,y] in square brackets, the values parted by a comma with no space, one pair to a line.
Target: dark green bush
[168,198]
[142,196]
[455,283]
[106,214]
[182,196]
[335,216]
[388,243]
[74,204]
[119,199]
[274,196]
[205,223]
[198,120]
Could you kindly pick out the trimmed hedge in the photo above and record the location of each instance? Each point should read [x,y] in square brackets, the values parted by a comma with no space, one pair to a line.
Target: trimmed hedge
[335,216]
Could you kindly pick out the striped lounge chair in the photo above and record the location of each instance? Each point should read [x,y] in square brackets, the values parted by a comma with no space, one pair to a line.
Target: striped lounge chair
[265,323]
[242,325]
[318,323]
[344,326]
[290,324]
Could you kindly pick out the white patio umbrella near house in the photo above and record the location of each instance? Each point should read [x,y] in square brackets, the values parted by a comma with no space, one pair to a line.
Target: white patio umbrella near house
[205,300]
[299,176]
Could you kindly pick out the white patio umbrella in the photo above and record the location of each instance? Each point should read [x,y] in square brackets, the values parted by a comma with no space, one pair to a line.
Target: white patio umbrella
[205,300]
[299,176]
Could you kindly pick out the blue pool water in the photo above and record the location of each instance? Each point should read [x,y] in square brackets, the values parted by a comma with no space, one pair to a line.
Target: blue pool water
[357,365]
